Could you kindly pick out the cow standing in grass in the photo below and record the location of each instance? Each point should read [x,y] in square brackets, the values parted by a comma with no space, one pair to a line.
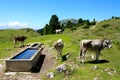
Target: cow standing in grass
[19,39]
[95,45]
[58,45]
[58,31]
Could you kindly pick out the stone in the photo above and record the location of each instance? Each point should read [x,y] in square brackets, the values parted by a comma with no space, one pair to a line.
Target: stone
[61,68]
[94,67]
[50,75]
[92,57]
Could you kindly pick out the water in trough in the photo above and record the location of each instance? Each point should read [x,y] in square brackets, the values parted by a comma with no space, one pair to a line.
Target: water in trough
[27,54]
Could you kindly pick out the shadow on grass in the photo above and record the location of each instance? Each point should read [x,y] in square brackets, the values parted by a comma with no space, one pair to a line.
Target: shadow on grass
[39,64]
[100,62]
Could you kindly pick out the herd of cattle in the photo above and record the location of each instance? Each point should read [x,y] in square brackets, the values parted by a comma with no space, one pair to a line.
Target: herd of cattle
[95,45]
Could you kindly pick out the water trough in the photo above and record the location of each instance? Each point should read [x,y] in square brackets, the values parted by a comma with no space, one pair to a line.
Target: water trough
[24,60]
[36,45]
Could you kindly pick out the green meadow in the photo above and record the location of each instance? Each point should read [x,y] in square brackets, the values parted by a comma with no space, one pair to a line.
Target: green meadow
[107,70]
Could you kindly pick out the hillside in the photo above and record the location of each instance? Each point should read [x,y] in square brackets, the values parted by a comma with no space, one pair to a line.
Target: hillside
[107,69]
[64,21]
[8,34]
[6,39]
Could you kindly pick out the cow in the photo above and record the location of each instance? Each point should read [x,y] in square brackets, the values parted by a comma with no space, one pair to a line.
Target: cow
[95,45]
[58,31]
[58,46]
[20,39]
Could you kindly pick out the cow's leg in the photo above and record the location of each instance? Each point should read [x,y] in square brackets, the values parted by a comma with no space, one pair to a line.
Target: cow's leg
[22,44]
[97,55]
[57,57]
[61,54]
[82,55]
[14,43]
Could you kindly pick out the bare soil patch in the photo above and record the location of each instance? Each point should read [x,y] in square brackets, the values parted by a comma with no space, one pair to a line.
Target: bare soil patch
[46,62]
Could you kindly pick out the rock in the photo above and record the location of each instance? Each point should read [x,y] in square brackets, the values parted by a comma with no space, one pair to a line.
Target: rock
[10,73]
[96,78]
[72,68]
[94,67]
[61,68]
[1,66]
[110,71]
[92,57]
[50,75]
[106,69]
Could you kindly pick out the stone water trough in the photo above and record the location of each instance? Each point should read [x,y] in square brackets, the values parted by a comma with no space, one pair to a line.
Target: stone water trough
[24,60]
[36,45]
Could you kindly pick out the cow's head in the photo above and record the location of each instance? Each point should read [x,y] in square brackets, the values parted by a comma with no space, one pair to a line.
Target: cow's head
[59,41]
[107,43]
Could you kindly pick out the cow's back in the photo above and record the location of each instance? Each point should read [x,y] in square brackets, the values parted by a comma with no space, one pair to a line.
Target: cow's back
[85,44]
[20,38]
[97,44]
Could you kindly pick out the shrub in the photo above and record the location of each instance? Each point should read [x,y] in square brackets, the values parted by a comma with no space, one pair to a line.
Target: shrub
[105,25]
[86,26]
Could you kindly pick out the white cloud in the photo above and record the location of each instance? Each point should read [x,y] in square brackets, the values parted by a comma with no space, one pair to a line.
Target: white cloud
[2,24]
[13,25]
[16,23]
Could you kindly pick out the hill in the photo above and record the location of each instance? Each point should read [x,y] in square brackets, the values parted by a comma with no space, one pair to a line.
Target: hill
[107,69]
[6,39]
[64,21]
[7,34]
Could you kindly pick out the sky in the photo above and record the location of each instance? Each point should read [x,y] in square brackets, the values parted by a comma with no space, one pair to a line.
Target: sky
[36,14]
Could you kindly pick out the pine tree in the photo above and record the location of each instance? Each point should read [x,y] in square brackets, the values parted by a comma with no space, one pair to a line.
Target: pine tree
[54,24]
[46,29]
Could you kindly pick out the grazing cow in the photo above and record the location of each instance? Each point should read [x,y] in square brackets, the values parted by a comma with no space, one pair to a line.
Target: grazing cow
[19,39]
[95,45]
[58,45]
[58,31]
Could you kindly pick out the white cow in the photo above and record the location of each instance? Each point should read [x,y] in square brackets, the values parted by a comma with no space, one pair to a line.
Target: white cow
[95,45]
[58,45]
[58,31]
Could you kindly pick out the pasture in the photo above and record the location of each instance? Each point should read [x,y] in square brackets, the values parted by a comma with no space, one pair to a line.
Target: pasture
[107,69]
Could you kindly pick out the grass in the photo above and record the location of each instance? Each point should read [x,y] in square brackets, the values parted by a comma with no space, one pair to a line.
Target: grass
[71,40]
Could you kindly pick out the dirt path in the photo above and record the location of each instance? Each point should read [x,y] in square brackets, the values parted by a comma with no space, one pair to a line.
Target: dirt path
[45,63]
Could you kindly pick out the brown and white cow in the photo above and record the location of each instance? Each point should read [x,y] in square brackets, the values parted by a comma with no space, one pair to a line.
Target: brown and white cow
[20,39]
[58,45]
[95,45]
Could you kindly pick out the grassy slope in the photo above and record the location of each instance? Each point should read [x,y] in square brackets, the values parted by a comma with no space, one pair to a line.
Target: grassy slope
[81,72]
[6,40]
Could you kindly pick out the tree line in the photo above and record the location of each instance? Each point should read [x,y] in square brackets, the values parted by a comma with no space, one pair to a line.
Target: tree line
[55,24]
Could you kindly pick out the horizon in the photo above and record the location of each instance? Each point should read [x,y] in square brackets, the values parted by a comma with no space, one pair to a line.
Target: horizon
[36,14]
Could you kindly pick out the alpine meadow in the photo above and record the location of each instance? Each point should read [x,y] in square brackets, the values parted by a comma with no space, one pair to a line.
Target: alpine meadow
[108,68]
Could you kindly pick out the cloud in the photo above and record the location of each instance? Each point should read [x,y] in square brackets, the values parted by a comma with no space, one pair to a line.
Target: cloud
[13,25]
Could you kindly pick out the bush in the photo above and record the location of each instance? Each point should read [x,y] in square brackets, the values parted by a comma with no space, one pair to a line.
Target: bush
[86,26]
[105,25]
[72,29]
